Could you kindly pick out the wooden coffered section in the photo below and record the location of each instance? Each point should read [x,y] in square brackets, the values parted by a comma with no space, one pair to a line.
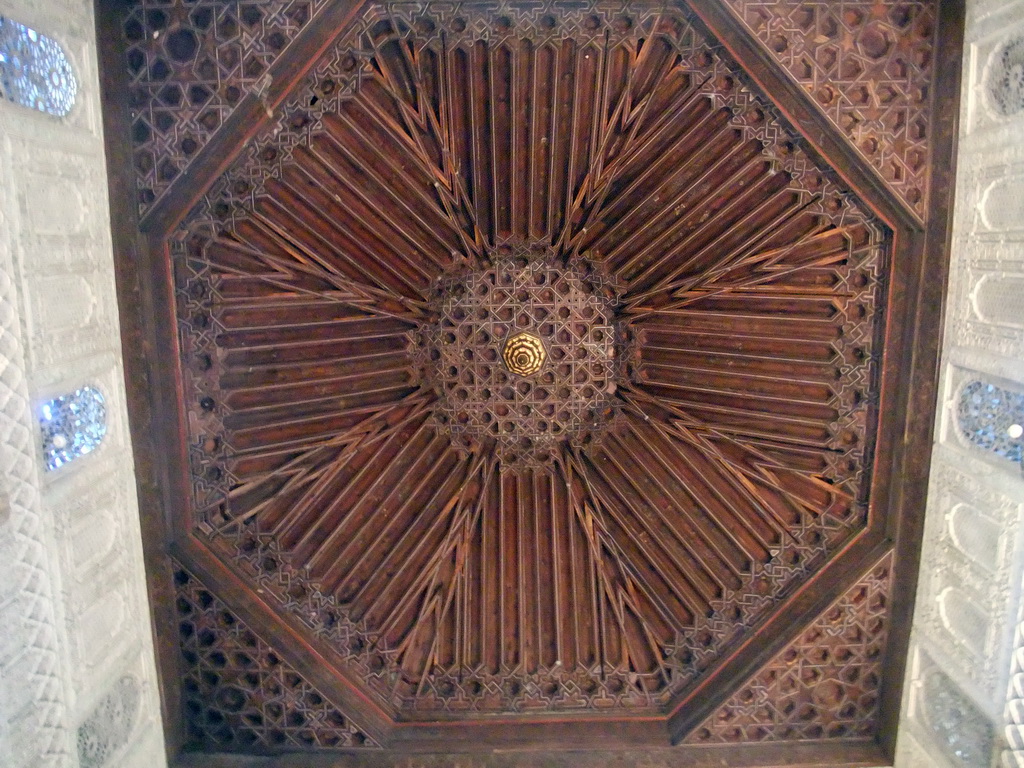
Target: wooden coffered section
[531,376]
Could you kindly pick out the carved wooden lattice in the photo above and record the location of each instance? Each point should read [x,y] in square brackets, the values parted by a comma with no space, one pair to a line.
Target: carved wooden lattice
[825,684]
[238,693]
[738,294]
[868,65]
[191,62]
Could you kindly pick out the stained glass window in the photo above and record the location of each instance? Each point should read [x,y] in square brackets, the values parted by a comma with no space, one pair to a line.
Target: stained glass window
[72,425]
[34,70]
[993,419]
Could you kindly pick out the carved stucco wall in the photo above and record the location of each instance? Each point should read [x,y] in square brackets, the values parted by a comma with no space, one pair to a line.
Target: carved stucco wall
[77,679]
[956,707]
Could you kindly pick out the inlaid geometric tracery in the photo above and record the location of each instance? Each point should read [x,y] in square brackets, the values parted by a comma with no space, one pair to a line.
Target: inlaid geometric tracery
[695,443]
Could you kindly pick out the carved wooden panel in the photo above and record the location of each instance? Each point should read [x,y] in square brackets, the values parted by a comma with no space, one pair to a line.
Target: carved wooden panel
[505,541]
[825,684]
[868,65]
[239,693]
[191,62]
[530,367]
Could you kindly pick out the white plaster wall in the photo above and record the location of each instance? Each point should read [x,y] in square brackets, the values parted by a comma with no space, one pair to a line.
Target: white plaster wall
[77,678]
[955,701]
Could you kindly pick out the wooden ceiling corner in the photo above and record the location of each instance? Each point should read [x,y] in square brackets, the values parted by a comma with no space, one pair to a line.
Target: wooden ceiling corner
[529,375]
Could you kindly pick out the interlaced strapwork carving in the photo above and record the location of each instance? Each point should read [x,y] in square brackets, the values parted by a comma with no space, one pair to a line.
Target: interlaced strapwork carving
[825,684]
[696,441]
[568,397]
[239,694]
[868,65]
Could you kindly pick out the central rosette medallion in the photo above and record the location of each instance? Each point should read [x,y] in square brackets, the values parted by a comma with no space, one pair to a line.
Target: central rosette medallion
[522,352]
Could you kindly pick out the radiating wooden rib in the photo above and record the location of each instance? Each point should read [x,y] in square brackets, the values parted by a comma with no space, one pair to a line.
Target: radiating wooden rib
[692,296]
[464,510]
[694,599]
[542,600]
[250,424]
[597,540]
[275,307]
[525,144]
[724,545]
[422,539]
[253,458]
[769,472]
[808,431]
[688,356]
[479,120]
[398,197]
[758,234]
[242,376]
[751,324]
[743,207]
[249,413]
[543,87]
[323,552]
[433,477]
[350,292]
[446,220]
[401,76]
[746,482]
[339,231]
[559,157]
[581,129]
[326,151]
[501,565]
[818,232]
[749,164]
[686,530]
[753,534]
[521,561]
[616,546]
[676,112]
[345,289]
[803,392]
[499,62]
[256,347]
[696,430]
[619,141]
[291,234]
[738,156]
[298,469]
[300,541]
[455,195]
[616,205]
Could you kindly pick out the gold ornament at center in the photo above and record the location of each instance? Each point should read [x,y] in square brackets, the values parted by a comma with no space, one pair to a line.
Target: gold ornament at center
[524,354]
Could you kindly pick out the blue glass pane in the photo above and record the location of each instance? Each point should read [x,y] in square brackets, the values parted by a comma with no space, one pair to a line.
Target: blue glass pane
[72,425]
[34,71]
[986,414]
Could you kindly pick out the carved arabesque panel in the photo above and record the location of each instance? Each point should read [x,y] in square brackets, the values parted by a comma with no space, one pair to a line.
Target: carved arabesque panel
[823,685]
[868,66]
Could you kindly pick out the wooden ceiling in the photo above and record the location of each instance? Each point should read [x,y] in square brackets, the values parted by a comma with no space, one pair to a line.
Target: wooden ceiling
[531,375]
